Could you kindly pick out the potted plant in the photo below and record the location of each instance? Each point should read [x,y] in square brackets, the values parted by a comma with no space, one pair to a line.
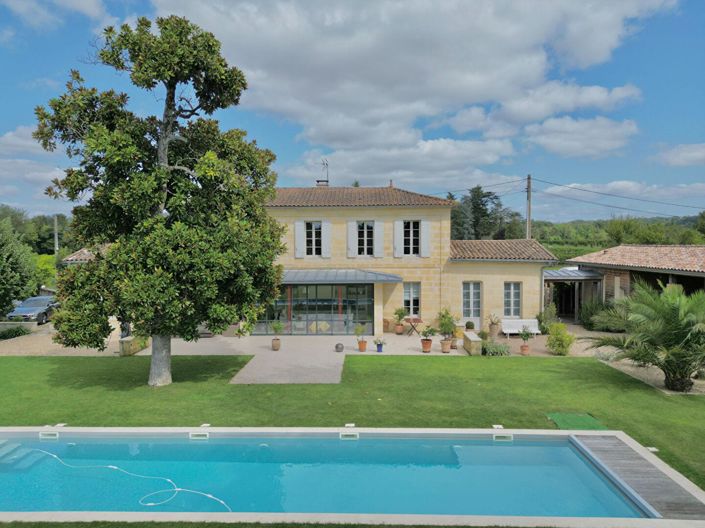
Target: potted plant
[469,325]
[380,343]
[277,328]
[426,340]
[493,320]
[446,326]
[399,315]
[361,341]
[525,335]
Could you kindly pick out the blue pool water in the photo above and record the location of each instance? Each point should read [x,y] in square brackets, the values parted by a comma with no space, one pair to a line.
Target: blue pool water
[306,474]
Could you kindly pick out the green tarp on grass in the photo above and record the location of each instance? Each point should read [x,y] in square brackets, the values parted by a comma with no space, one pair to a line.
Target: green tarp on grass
[579,421]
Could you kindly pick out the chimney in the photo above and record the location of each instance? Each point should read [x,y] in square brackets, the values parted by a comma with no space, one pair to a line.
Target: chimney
[321,183]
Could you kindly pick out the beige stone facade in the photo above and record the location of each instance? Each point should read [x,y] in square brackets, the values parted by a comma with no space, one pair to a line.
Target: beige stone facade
[440,277]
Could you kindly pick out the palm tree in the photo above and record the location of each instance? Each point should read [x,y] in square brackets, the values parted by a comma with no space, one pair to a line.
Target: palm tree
[665,328]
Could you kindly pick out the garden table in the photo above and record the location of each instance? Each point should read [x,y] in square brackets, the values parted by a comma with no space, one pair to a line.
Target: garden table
[414,322]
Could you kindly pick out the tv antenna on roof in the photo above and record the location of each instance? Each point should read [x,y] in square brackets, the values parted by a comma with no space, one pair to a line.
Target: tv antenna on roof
[324,168]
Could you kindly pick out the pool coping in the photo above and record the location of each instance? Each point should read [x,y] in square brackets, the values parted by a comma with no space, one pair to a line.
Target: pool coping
[376,519]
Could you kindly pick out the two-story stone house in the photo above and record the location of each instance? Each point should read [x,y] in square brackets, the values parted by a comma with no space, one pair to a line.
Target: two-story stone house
[356,254]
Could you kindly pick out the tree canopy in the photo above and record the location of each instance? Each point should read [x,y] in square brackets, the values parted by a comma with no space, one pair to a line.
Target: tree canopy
[16,268]
[175,207]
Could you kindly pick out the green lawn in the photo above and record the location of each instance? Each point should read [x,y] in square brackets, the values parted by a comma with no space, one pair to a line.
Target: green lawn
[378,391]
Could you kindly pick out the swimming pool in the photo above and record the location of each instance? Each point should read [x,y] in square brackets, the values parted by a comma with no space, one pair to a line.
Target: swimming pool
[527,475]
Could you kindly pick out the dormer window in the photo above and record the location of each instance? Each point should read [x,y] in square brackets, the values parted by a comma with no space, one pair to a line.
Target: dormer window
[365,238]
[412,237]
[314,238]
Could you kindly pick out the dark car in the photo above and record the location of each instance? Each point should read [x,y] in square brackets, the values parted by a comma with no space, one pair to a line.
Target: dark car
[39,309]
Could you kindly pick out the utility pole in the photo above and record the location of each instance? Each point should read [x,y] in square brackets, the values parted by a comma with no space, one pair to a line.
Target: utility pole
[56,236]
[528,207]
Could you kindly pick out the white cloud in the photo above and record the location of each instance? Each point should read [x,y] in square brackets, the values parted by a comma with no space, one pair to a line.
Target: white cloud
[556,97]
[20,141]
[445,162]
[683,155]
[50,14]
[560,203]
[359,76]
[571,137]
[25,174]
[6,35]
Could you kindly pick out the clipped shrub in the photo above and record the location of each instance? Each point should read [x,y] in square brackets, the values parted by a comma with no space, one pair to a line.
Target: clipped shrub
[469,325]
[547,318]
[15,331]
[490,348]
[559,339]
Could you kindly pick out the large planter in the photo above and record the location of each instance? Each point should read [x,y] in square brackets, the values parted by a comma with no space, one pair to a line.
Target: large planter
[276,343]
[426,345]
[524,349]
[399,329]
[494,330]
[445,345]
[362,345]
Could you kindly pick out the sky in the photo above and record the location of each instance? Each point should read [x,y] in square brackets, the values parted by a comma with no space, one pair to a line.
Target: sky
[600,97]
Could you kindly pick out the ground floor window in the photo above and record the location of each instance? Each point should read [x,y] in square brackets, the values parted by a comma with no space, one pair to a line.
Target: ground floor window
[412,296]
[321,309]
[471,300]
[512,299]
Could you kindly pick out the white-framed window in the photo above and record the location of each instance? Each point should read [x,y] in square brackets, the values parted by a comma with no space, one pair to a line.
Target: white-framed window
[512,299]
[471,300]
[412,237]
[365,238]
[412,298]
[314,238]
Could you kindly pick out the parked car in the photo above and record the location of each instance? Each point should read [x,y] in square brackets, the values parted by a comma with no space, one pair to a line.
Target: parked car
[39,309]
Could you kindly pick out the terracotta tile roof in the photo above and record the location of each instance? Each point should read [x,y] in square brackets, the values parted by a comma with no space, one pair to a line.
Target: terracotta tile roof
[665,257]
[83,255]
[520,250]
[353,197]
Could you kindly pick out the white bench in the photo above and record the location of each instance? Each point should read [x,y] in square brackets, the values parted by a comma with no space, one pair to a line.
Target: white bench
[515,326]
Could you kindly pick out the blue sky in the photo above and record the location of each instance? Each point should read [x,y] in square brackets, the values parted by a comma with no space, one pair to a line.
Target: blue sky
[436,96]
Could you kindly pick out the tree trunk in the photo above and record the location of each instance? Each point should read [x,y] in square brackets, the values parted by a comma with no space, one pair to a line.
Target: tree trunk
[677,381]
[160,368]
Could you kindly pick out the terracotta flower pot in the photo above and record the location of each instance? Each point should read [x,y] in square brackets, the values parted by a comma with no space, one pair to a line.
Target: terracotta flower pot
[524,348]
[362,345]
[426,345]
[399,329]
[445,345]
[276,343]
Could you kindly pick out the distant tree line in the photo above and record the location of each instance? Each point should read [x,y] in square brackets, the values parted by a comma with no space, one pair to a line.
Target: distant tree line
[481,215]
[38,231]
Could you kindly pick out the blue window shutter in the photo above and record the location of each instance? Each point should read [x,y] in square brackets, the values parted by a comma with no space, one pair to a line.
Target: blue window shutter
[398,238]
[325,239]
[299,239]
[378,239]
[425,239]
[352,239]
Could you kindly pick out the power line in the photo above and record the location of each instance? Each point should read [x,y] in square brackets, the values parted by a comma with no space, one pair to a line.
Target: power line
[483,186]
[607,205]
[619,195]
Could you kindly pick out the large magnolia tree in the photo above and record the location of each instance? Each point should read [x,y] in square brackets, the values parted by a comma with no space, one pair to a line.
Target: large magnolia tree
[173,206]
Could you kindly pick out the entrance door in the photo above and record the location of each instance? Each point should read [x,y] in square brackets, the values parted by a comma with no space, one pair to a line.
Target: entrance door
[472,303]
